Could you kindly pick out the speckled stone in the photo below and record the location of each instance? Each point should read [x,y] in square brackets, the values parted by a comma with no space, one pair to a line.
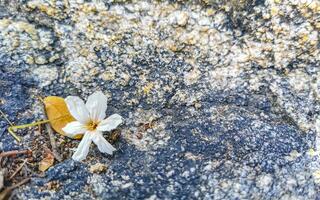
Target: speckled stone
[220,98]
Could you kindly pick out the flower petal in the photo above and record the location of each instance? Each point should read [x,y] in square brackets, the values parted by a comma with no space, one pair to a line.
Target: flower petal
[74,128]
[103,145]
[83,148]
[110,123]
[97,106]
[77,109]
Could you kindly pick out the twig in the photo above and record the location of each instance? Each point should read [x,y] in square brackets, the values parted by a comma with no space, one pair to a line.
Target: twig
[55,152]
[6,192]
[1,178]
[18,169]
[31,172]
[15,136]
[14,153]
[53,143]
[24,181]
[39,128]
[5,117]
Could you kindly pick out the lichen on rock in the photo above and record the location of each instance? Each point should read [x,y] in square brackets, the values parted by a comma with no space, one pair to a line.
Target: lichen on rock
[220,98]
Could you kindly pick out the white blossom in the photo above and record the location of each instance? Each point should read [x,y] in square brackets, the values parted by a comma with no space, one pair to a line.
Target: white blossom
[91,122]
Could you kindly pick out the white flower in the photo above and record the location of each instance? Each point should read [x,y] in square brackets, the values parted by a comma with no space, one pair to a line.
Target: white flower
[91,122]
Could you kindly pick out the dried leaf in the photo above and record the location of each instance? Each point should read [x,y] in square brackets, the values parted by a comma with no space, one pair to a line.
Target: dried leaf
[46,162]
[58,114]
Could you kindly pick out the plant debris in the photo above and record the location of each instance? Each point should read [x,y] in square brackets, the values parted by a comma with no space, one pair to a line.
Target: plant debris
[15,153]
[47,161]
[5,194]
[58,114]
[18,169]
[55,152]
[1,178]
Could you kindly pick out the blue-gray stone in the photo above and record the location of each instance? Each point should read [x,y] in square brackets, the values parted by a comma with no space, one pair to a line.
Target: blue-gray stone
[220,99]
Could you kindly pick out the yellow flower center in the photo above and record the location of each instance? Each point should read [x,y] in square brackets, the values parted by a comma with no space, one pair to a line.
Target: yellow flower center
[91,126]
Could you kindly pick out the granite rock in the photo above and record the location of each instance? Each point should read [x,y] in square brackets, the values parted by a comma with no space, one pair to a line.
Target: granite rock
[220,98]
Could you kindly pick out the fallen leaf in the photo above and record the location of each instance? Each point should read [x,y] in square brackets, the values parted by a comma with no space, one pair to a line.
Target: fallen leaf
[58,114]
[46,162]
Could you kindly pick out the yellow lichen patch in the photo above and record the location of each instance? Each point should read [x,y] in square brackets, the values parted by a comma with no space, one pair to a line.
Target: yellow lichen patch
[48,10]
[147,88]
[88,8]
[29,60]
[28,28]
[15,43]
[274,11]
[316,176]
[226,8]
[42,7]
[303,38]
[4,23]
[210,12]
[312,152]
[54,58]
[84,52]
[314,5]
[111,40]
[173,45]
[108,76]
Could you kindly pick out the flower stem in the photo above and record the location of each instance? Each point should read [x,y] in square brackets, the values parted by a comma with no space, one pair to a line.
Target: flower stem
[12,128]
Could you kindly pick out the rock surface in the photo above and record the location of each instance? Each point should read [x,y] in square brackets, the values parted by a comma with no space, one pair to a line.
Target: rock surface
[220,98]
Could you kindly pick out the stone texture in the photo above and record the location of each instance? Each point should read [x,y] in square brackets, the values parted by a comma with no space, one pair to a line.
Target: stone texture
[220,98]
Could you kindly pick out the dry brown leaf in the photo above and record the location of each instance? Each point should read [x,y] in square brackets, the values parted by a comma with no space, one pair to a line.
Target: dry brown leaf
[46,162]
[58,114]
